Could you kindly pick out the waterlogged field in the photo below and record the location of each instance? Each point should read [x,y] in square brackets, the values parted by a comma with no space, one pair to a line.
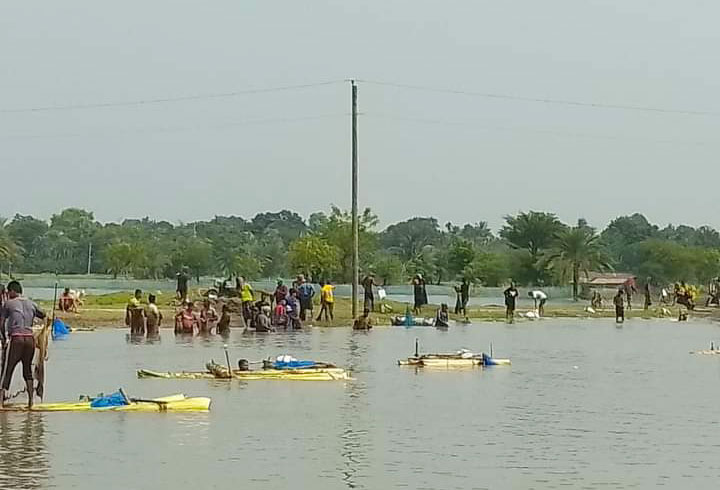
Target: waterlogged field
[585,405]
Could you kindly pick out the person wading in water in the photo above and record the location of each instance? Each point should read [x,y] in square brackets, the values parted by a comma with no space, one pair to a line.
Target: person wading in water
[16,320]
[134,314]
[153,318]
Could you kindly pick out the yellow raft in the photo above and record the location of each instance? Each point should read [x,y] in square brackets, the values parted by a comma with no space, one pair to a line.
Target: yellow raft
[310,374]
[172,403]
[449,361]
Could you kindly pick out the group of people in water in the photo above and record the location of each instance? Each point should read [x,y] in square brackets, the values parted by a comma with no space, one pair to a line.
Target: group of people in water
[261,311]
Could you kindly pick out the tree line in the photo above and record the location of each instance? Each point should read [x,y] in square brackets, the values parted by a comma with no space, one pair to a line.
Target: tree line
[533,248]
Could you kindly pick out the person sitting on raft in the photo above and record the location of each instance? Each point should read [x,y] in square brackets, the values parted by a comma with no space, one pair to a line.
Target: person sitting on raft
[186,320]
[153,317]
[280,318]
[364,322]
[208,317]
[442,317]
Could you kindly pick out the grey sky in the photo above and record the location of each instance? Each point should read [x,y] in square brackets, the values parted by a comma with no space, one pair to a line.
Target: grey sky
[460,158]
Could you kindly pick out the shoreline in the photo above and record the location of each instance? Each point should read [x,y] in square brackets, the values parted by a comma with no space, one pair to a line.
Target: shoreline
[108,311]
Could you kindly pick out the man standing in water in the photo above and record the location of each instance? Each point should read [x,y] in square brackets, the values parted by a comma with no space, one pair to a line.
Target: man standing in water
[16,319]
[511,294]
[153,318]
[134,314]
[619,303]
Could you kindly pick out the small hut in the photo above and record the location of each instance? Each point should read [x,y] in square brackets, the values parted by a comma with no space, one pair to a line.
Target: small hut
[606,283]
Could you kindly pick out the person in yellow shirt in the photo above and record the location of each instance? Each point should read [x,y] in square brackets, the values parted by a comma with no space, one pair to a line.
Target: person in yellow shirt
[246,296]
[327,300]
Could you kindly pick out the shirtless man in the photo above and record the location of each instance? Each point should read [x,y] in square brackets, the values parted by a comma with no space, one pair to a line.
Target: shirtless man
[186,320]
[153,318]
[208,317]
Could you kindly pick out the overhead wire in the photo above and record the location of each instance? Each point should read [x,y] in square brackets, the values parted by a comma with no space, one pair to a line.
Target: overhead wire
[482,125]
[165,100]
[249,122]
[544,100]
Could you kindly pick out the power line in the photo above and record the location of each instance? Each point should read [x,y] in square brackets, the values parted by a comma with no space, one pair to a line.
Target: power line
[594,105]
[166,100]
[554,132]
[249,122]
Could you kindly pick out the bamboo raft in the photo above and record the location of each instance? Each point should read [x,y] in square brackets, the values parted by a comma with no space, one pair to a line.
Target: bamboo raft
[460,359]
[172,403]
[327,372]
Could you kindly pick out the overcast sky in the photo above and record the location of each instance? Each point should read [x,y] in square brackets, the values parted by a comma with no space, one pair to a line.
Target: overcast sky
[458,157]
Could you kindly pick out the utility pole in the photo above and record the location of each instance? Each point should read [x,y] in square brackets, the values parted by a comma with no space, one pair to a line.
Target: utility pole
[89,257]
[355,230]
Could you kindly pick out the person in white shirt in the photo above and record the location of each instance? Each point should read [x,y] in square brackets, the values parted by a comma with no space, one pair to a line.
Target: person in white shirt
[540,298]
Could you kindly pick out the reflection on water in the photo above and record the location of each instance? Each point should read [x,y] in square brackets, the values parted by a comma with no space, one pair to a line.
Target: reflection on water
[354,413]
[23,454]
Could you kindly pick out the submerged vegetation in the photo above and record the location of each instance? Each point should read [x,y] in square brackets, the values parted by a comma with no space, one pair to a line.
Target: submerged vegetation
[534,248]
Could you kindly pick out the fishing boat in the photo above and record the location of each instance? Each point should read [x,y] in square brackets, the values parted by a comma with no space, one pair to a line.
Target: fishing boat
[172,403]
[460,359]
[319,372]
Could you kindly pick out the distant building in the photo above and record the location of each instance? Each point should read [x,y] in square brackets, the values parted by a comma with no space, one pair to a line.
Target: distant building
[606,283]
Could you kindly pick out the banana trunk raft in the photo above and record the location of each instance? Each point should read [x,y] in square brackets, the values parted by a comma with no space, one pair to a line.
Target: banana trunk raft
[323,372]
[172,403]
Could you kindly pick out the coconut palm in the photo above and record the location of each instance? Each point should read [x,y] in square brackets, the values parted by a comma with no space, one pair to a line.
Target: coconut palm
[576,251]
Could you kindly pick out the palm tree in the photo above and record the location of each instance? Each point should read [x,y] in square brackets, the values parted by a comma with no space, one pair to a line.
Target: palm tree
[577,250]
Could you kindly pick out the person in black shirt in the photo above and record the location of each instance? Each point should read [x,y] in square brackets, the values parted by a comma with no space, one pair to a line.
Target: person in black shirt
[511,294]
[182,285]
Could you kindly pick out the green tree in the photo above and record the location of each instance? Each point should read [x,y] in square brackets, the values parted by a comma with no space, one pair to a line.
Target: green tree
[27,232]
[314,256]
[288,224]
[409,238]
[117,258]
[249,266]
[535,232]
[577,250]
[196,255]
[388,268]
[336,229]
[461,253]
[488,268]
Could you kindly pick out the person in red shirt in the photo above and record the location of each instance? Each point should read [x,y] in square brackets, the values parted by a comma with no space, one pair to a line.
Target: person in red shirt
[280,317]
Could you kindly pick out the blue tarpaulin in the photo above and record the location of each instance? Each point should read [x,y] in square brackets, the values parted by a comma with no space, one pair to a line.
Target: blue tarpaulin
[59,329]
[113,400]
[293,364]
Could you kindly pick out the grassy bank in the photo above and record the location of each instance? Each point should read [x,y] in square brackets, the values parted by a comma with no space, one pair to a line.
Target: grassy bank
[109,311]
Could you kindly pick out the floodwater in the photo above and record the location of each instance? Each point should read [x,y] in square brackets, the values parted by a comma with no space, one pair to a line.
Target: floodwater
[585,405]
